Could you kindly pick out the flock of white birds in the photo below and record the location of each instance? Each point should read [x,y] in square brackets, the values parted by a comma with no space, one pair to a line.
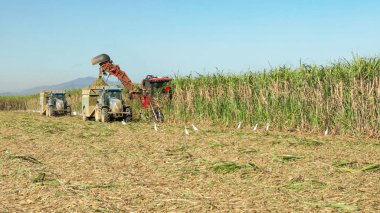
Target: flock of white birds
[186,130]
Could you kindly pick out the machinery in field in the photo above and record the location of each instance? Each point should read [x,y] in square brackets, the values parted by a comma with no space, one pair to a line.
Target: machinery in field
[53,102]
[146,95]
[104,103]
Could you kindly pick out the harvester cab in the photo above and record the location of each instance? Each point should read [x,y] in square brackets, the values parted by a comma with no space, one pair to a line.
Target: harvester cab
[54,103]
[111,106]
[157,86]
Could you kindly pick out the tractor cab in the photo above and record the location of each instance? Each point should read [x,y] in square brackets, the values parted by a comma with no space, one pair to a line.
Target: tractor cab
[58,96]
[111,106]
[109,94]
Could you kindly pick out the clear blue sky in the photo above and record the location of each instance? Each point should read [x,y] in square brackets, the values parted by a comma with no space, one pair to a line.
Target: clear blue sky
[50,41]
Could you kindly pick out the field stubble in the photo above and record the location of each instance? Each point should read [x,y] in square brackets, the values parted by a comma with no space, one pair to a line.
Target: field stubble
[65,164]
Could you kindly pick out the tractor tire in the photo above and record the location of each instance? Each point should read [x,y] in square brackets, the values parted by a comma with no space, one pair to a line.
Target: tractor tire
[51,111]
[128,116]
[100,59]
[105,116]
[68,111]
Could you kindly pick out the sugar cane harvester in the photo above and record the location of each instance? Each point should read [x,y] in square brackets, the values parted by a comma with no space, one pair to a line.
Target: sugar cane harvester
[150,87]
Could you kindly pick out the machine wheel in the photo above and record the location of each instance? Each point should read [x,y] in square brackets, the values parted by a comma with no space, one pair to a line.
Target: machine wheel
[51,111]
[128,116]
[68,110]
[100,59]
[105,116]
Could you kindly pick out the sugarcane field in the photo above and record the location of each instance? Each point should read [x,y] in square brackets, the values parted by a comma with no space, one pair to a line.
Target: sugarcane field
[194,106]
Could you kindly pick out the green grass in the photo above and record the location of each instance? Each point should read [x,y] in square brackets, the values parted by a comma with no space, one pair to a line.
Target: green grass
[26,158]
[371,168]
[249,152]
[351,166]
[341,206]
[227,167]
[289,157]
[96,134]
[216,144]
[306,184]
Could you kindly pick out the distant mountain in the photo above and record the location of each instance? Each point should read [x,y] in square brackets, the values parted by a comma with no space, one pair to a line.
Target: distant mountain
[74,84]
[6,94]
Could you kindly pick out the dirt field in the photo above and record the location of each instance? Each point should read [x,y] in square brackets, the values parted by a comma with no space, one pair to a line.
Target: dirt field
[66,164]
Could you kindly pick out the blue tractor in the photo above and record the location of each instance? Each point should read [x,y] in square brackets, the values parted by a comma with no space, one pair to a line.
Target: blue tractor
[53,103]
[111,106]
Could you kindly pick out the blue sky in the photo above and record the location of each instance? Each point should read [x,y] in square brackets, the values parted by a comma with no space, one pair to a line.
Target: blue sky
[49,41]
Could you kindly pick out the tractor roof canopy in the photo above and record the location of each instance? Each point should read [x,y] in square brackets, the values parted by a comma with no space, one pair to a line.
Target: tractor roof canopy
[114,89]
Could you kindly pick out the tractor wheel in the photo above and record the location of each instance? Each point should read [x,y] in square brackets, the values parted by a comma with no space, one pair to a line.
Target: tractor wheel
[68,111]
[51,111]
[128,116]
[100,59]
[105,115]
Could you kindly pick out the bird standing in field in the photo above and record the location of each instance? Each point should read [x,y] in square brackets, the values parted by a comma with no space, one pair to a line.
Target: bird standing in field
[186,131]
[195,128]
[267,127]
[155,126]
[255,127]
[326,131]
[239,125]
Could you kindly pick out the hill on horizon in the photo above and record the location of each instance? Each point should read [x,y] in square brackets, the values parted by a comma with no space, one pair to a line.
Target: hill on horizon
[73,84]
